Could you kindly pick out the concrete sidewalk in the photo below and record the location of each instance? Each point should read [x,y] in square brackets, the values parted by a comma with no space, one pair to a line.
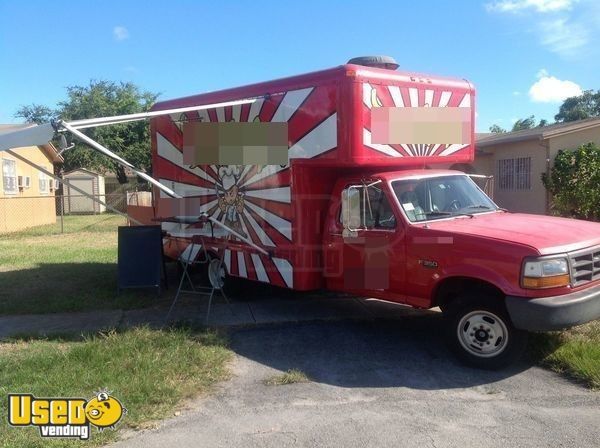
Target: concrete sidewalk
[239,313]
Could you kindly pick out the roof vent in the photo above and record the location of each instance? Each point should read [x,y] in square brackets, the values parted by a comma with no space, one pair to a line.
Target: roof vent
[386,62]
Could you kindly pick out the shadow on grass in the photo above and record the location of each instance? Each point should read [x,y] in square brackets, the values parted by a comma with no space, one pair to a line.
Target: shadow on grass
[66,287]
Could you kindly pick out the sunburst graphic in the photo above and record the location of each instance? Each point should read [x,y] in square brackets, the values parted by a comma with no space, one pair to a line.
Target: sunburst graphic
[255,200]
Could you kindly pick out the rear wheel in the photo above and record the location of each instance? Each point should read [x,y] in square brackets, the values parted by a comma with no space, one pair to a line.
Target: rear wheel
[481,333]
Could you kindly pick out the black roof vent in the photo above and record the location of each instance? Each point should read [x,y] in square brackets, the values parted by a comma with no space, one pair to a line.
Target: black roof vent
[386,62]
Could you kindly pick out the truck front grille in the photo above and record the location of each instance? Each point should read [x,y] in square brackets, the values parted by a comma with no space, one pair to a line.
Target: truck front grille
[585,266]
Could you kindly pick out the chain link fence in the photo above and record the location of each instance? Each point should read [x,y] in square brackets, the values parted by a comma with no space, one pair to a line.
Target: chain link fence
[55,214]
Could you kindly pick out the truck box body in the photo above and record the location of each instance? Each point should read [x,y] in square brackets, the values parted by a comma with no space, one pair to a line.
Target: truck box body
[284,208]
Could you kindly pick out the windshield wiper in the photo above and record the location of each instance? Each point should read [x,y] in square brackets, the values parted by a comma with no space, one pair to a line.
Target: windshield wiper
[479,206]
[438,213]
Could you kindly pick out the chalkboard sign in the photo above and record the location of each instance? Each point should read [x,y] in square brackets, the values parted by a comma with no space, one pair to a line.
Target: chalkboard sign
[140,257]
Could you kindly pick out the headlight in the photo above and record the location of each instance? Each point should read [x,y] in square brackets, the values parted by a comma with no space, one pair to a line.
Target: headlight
[545,273]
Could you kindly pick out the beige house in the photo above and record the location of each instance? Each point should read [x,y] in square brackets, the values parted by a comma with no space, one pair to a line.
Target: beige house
[518,159]
[26,194]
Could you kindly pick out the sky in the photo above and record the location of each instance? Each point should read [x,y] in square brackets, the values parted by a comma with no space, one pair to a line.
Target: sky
[523,56]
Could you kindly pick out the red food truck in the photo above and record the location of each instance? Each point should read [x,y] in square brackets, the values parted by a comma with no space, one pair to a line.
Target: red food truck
[360,207]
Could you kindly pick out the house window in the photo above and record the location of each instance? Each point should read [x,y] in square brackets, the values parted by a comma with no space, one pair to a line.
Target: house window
[9,176]
[514,174]
[44,184]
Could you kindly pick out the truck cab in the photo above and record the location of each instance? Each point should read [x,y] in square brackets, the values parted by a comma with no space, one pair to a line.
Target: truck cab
[432,238]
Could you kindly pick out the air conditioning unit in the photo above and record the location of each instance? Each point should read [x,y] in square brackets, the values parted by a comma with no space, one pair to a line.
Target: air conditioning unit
[23,181]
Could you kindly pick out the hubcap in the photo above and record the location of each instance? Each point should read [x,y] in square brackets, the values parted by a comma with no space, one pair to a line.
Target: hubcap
[482,333]
[216,274]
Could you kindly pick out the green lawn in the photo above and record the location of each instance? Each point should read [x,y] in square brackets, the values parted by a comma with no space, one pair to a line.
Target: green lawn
[574,353]
[45,271]
[149,371]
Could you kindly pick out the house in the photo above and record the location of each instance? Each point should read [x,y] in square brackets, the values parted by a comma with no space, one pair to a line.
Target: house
[26,194]
[518,159]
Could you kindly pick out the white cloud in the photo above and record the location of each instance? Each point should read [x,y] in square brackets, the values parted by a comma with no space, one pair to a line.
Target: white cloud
[515,6]
[516,93]
[563,36]
[120,33]
[549,89]
[557,24]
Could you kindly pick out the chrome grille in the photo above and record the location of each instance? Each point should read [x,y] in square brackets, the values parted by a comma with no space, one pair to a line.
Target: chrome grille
[585,265]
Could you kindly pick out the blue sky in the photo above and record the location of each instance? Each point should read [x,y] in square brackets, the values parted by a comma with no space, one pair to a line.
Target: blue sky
[522,55]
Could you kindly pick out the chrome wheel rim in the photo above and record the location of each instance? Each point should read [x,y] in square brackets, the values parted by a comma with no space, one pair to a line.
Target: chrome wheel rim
[482,334]
[216,274]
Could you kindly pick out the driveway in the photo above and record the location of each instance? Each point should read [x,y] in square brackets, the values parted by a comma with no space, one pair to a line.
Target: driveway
[376,382]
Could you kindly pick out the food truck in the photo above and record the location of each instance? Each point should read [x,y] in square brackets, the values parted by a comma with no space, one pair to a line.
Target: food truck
[342,180]
[364,203]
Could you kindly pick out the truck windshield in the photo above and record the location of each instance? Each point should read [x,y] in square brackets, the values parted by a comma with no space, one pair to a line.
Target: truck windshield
[441,197]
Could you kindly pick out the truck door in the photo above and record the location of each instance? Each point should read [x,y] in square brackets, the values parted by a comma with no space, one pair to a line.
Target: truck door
[369,257]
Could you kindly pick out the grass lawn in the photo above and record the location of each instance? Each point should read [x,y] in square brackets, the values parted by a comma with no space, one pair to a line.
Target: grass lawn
[45,271]
[574,353]
[149,371]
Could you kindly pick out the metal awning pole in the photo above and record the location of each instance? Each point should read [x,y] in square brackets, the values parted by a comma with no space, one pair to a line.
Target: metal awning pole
[94,144]
[77,189]
[104,121]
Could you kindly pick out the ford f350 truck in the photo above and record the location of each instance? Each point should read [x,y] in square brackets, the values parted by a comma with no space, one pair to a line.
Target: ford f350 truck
[354,212]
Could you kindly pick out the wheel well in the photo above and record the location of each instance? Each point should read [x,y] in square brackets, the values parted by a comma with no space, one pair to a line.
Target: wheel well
[449,289]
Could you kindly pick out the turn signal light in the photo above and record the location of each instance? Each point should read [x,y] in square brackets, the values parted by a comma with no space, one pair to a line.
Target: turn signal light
[546,282]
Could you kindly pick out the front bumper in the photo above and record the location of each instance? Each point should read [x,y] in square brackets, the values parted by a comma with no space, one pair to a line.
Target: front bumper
[554,313]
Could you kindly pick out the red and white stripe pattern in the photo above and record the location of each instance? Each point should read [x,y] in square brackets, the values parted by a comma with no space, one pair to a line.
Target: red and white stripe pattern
[267,217]
[396,96]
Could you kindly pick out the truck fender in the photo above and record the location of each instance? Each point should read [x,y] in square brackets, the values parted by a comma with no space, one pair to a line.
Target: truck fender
[477,273]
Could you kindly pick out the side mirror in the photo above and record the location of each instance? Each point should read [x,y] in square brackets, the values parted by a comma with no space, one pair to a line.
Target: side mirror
[351,211]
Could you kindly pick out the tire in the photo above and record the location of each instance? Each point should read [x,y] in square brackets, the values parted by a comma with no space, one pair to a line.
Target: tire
[481,333]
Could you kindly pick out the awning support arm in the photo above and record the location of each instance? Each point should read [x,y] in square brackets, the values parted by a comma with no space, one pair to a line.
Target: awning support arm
[94,144]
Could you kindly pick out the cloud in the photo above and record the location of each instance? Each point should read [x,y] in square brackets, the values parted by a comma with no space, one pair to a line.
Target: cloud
[563,36]
[120,33]
[515,6]
[557,24]
[549,89]
[516,93]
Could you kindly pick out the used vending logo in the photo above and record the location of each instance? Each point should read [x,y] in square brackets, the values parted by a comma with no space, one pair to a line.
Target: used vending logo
[65,417]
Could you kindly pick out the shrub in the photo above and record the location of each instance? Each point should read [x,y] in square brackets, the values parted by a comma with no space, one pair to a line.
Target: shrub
[574,182]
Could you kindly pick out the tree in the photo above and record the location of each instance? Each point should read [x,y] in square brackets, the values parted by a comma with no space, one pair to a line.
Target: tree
[586,105]
[36,113]
[573,182]
[524,123]
[131,141]
[543,122]
[497,129]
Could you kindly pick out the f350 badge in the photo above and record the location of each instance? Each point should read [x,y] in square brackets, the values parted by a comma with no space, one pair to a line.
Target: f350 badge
[431,264]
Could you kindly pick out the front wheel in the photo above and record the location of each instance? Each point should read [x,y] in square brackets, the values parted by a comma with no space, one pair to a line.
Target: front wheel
[482,335]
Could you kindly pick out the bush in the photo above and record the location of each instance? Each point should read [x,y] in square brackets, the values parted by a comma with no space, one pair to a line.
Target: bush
[574,183]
